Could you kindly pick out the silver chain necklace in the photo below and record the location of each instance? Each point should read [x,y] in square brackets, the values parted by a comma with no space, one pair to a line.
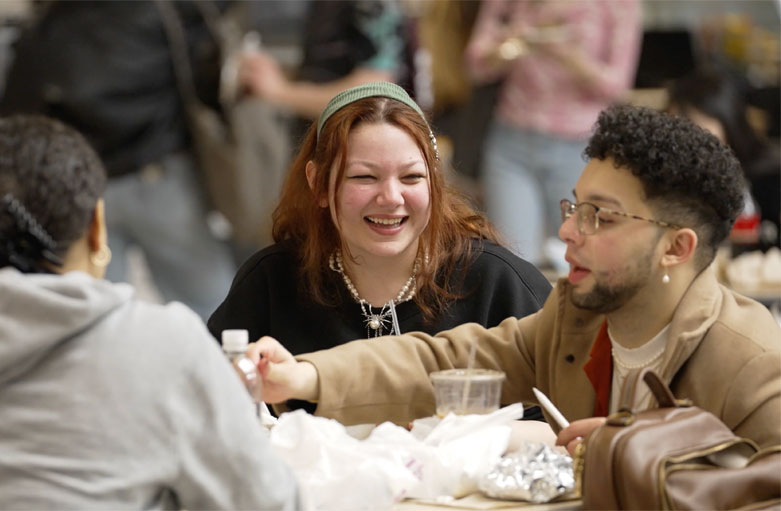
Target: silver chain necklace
[387,315]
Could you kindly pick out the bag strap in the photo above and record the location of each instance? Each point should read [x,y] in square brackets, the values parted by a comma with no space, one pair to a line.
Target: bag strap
[211,16]
[659,389]
[177,41]
[225,31]
[664,396]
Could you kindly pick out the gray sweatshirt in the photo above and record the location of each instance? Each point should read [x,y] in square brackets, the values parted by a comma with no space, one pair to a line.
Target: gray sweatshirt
[111,403]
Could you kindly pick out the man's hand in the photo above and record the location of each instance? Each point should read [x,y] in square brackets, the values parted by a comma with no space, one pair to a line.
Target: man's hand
[574,434]
[283,376]
[530,431]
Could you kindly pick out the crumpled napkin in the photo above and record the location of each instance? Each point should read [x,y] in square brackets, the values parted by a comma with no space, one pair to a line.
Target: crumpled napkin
[444,457]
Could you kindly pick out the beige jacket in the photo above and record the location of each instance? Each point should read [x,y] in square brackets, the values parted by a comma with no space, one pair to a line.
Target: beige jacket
[723,352]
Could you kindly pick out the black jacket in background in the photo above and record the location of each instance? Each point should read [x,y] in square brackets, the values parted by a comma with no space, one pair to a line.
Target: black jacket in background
[104,67]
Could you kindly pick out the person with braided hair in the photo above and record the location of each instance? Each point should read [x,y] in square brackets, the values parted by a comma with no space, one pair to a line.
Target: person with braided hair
[26,245]
[82,363]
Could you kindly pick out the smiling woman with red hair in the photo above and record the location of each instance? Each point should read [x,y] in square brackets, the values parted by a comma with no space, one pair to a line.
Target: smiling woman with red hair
[372,241]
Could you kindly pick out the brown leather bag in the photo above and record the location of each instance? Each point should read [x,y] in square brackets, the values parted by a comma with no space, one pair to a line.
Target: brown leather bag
[676,456]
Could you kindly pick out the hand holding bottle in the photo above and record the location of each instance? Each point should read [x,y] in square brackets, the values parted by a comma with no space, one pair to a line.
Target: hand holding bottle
[283,376]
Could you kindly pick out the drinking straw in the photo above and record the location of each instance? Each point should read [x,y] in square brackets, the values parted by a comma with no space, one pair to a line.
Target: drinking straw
[469,365]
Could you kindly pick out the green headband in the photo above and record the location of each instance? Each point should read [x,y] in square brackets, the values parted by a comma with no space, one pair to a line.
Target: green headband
[366,90]
[370,90]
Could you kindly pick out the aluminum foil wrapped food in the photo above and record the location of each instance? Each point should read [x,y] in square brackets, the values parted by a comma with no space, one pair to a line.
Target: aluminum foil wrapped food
[535,473]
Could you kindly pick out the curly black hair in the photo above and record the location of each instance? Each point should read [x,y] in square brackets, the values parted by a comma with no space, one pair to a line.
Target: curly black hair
[688,176]
[50,171]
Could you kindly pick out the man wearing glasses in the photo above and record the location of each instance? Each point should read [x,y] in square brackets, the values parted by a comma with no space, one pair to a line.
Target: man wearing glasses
[655,200]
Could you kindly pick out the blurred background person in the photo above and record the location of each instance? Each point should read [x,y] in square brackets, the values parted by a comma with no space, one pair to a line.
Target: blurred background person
[714,97]
[561,63]
[444,89]
[106,69]
[344,43]
[108,402]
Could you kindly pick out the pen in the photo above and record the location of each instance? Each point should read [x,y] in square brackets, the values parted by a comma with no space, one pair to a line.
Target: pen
[550,408]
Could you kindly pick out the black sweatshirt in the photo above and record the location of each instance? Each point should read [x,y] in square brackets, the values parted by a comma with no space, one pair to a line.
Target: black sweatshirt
[266,299]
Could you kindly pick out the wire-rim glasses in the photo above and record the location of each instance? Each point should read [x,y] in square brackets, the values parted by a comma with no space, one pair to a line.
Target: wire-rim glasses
[588,216]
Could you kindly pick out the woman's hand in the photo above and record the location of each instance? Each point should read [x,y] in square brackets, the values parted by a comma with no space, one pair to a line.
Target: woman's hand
[262,76]
[283,376]
[574,434]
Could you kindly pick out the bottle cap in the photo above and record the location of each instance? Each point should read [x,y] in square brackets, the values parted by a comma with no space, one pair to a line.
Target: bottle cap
[235,340]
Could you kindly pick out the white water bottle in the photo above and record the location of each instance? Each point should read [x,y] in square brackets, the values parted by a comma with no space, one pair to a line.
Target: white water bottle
[234,344]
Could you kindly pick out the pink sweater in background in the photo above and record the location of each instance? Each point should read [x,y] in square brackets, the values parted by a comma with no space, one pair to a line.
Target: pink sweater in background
[558,87]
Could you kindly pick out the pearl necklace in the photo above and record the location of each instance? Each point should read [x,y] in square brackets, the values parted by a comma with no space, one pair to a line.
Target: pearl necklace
[645,363]
[376,322]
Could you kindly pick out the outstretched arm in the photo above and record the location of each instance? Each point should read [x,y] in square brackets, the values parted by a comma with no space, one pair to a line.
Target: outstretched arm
[262,75]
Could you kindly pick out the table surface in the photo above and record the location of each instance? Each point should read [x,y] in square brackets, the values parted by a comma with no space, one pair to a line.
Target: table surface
[477,501]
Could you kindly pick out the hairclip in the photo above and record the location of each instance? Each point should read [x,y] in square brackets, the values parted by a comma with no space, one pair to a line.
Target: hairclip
[31,242]
[370,90]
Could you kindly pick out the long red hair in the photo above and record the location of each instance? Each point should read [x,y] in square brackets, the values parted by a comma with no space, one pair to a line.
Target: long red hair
[448,237]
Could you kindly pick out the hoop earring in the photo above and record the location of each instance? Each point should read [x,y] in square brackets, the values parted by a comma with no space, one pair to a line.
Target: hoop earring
[665,278]
[101,257]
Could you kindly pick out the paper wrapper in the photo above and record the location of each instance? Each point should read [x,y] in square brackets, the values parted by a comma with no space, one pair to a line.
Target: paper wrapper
[535,473]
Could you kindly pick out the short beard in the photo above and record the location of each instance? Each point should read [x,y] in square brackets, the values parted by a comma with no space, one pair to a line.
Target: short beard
[605,298]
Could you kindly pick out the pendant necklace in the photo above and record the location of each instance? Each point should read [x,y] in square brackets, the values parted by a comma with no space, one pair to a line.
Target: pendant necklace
[375,323]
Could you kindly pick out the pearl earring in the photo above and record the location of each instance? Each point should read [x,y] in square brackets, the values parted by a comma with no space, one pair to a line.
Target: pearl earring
[665,278]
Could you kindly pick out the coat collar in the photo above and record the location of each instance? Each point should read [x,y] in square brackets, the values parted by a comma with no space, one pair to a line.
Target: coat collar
[578,331]
[693,317]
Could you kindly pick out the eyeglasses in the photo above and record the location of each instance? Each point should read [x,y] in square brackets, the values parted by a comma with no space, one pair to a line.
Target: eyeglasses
[588,216]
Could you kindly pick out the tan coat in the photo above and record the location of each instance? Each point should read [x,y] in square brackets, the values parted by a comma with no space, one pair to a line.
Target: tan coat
[723,352]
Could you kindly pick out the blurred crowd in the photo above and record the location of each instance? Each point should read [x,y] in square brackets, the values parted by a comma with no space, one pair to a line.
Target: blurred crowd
[512,89]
